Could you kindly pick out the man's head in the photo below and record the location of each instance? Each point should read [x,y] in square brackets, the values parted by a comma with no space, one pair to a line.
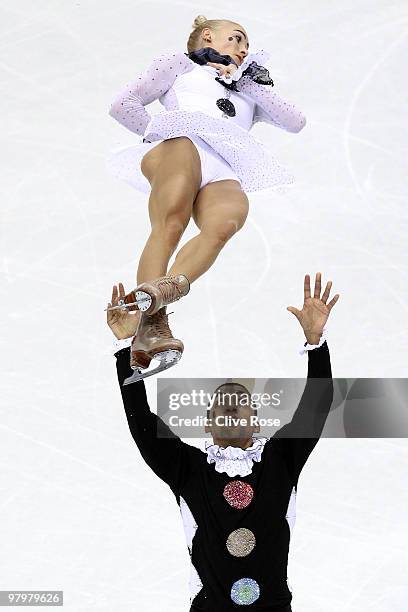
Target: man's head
[232,416]
[226,37]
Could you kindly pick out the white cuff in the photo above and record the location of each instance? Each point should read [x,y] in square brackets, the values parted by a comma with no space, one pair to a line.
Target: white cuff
[310,347]
[120,344]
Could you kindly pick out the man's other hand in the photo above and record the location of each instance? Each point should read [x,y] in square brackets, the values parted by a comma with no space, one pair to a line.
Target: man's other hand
[315,311]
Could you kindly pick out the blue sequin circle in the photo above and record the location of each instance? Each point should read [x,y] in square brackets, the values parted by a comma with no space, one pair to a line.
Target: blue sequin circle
[245,591]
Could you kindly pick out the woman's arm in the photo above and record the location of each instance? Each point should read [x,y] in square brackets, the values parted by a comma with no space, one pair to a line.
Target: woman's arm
[168,457]
[270,107]
[128,105]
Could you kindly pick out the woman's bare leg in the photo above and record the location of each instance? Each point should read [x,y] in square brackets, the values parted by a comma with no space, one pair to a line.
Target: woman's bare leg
[220,210]
[173,169]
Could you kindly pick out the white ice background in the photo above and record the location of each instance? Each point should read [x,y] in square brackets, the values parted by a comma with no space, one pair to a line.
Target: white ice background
[79,510]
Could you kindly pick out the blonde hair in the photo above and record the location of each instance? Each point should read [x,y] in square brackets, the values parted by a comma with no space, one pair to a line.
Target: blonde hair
[200,22]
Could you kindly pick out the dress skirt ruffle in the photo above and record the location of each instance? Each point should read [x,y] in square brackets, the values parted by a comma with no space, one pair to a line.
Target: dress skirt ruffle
[250,160]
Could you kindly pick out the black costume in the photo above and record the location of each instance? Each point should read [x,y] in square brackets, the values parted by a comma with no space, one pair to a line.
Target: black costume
[237,527]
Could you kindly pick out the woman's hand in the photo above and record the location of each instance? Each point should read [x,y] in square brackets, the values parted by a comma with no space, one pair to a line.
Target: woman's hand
[122,322]
[228,71]
[315,311]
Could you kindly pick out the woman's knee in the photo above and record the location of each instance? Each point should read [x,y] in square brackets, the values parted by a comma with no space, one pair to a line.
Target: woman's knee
[169,230]
[223,223]
[220,232]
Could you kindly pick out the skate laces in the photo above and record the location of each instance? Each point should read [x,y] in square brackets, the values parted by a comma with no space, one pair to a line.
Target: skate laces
[159,324]
[169,288]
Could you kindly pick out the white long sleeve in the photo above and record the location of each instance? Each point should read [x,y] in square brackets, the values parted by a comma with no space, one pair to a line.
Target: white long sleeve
[270,107]
[128,106]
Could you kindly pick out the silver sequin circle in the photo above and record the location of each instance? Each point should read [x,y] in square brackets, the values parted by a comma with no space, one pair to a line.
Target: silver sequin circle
[245,591]
[241,542]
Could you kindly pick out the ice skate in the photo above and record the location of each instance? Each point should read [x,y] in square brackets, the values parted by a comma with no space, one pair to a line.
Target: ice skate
[150,296]
[153,340]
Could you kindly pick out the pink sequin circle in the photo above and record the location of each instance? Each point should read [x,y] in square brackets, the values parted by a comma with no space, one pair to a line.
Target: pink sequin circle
[238,494]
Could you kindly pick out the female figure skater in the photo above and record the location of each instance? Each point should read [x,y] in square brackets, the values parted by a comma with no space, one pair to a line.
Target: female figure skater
[202,168]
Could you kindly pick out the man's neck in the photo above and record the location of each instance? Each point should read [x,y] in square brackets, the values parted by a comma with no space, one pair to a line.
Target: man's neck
[236,442]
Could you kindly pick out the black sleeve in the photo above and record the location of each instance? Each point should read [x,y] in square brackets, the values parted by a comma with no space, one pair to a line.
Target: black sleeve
[168,457]
[299,437]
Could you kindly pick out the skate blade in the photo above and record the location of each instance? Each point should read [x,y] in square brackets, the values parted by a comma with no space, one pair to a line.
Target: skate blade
[167,359]
[143,302]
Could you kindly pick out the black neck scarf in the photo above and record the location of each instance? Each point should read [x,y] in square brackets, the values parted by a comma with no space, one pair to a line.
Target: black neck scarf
[208,54]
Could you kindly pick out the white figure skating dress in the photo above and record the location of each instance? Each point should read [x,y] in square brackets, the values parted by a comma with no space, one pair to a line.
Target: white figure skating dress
[188,92]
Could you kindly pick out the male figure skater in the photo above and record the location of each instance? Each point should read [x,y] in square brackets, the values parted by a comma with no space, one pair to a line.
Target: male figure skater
[237,499]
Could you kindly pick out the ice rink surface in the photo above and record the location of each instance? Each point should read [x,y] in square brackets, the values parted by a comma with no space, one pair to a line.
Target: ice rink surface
[79,510]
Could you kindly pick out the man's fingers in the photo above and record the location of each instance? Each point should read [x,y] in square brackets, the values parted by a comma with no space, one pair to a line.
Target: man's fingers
[114,295]
[318,285]
[326,292]
[333,301]
[121,290]
[307,286]
[294,311]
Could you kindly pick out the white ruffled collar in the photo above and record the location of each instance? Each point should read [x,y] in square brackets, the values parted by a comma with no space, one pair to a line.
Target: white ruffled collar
[233,460]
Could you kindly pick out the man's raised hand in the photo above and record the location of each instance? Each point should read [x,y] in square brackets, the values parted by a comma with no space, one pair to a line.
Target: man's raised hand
[315,311]
[122,322]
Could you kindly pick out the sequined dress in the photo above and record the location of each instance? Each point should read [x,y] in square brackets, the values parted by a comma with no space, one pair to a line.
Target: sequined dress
[237,505]
[188,92]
